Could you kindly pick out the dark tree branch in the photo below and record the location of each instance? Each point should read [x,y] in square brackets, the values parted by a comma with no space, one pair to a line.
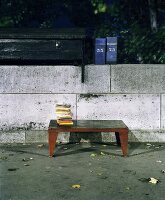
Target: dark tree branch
[153,15]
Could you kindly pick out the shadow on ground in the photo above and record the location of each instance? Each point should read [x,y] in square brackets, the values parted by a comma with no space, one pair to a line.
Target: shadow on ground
[79,148]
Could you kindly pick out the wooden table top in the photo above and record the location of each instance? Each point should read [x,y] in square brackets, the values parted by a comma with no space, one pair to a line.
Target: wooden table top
[90,125]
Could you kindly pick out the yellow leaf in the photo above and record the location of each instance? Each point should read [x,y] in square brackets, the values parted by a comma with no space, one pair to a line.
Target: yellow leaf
[93,155]
[103,154]
[76,186]
[40,145]
[153,180]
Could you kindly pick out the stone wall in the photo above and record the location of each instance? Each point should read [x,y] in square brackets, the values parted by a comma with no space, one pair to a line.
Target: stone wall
[132,93]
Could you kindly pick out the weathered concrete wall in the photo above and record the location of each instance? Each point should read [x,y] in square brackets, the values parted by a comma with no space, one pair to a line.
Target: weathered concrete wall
[54,79]
[138,79]
[133,93]
[163,111]
[137,110]
[31,111]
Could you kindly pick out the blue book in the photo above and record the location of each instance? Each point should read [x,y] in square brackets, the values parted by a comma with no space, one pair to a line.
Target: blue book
[100,47]
[111,52]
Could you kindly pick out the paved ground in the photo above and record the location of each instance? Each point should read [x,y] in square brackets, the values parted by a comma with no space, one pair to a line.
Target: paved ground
[26,172]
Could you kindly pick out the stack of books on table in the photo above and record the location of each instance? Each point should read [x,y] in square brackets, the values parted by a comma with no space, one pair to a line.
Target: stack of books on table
[64,114]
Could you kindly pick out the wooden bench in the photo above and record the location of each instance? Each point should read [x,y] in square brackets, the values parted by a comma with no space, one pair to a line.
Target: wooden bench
[41,46]
[116,126]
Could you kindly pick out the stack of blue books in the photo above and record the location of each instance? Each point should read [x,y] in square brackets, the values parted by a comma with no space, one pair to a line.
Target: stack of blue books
[106,50]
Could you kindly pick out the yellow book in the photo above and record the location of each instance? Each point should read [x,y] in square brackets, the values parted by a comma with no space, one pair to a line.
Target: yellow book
[62,112]
[62,106]
[62,109]
[65,123]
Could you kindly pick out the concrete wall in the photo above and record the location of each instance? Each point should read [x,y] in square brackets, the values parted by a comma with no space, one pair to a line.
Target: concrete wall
[133,93]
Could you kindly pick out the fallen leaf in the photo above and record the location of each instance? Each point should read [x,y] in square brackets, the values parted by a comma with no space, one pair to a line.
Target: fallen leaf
[99,174]
[26,165]
[103,154]
[77,186]
[148,144]
[127,188]
[40,145]
[104,145]
[159,161]
[93,155]
[13,169]
[25,159]
[163,170]
[153,180]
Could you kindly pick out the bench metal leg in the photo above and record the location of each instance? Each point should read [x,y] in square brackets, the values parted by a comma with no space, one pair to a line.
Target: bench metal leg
[52,141]
[124,142]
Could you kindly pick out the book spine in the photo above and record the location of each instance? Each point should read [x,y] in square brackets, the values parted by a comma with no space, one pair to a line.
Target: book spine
[100,47]
[111,52]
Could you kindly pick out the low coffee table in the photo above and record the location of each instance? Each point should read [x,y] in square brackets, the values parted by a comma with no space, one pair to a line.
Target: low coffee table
[116,126]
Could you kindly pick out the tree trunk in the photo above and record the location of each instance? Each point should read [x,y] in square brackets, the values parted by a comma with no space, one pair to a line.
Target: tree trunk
[153,14]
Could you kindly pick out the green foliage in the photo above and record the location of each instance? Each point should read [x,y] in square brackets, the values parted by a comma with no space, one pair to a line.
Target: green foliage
[99,6]
[130,23]
[6,22]
[143,46]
